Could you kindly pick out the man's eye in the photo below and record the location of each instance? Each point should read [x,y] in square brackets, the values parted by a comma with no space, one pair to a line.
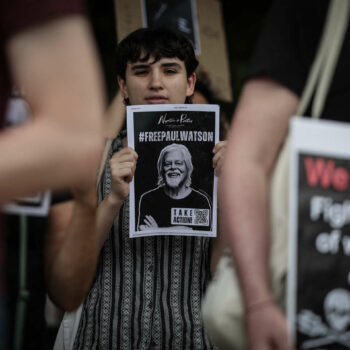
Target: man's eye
[179,163]
[166,164]
[170,71]
[141,72]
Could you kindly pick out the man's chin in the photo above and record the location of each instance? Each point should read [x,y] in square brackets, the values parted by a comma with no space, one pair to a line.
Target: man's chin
[173,184]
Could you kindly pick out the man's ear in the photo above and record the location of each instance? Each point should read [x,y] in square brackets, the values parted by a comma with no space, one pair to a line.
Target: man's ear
[123,89]
[191,83]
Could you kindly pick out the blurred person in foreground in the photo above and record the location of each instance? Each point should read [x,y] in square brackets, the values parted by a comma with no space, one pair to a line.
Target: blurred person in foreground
[47,52]
[270,97]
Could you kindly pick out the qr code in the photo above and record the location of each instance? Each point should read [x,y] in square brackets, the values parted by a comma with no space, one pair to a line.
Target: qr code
[201,217]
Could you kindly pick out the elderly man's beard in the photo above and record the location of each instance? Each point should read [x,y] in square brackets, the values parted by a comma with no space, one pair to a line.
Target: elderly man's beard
[175,179]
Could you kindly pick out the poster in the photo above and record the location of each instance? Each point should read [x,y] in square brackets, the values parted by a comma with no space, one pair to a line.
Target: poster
[319,278]
[174,189]
[177,14]
[36,205]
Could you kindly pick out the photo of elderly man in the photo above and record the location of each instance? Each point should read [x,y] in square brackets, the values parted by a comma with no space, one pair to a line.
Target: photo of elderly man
[174,202]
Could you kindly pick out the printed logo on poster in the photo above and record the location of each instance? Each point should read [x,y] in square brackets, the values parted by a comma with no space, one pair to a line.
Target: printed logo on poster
[190,216]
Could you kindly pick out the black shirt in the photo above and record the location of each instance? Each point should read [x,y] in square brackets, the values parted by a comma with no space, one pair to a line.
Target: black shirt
[287,46]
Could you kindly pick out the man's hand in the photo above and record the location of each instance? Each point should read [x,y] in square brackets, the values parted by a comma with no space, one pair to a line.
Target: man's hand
[266,329]
[218,159]
[148,223]
[123,165]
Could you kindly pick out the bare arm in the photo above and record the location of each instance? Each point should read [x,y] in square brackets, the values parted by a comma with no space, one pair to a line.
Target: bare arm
[258,131]
[78,231]
[56,65]
[122,165]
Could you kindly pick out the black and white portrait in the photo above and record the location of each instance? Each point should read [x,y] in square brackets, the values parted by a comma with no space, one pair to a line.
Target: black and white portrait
[174,202]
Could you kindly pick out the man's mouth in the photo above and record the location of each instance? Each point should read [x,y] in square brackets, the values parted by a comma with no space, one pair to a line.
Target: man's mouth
[173,174]
[156,99]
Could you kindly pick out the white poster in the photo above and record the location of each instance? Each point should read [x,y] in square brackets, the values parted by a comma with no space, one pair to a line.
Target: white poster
[36,205]
[319,275]
[174,190]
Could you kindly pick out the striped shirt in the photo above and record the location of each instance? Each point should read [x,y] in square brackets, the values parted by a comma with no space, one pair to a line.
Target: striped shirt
[147,292]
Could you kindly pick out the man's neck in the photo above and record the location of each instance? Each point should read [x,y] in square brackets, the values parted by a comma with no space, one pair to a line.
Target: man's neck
[177,192]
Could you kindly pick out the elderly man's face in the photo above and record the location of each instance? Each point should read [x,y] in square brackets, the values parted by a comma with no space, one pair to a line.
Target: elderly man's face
[174,169]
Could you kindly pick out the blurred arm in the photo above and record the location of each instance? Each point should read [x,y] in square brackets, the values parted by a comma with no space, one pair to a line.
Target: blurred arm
[56,65]
[259,127]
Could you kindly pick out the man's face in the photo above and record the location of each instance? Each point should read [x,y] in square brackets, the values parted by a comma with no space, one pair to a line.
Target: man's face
[174,169]
[164,81]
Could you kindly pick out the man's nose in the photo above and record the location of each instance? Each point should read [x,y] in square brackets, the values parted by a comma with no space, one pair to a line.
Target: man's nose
[156,82]
[171,165]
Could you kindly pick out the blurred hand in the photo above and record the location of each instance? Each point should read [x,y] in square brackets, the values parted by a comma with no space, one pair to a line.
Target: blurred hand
[123,165]
[266,329]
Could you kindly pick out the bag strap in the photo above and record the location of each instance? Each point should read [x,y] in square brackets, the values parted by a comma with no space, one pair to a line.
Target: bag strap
[323,67]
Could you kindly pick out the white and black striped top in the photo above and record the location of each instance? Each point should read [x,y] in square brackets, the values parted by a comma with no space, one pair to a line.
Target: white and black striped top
[147,292]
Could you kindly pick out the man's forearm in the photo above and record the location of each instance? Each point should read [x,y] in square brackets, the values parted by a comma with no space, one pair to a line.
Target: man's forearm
[41,155]
[107,212]
[56,66]
[245,219]
[259,127]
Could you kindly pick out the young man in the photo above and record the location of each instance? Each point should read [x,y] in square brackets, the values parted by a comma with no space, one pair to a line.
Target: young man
[147,292]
